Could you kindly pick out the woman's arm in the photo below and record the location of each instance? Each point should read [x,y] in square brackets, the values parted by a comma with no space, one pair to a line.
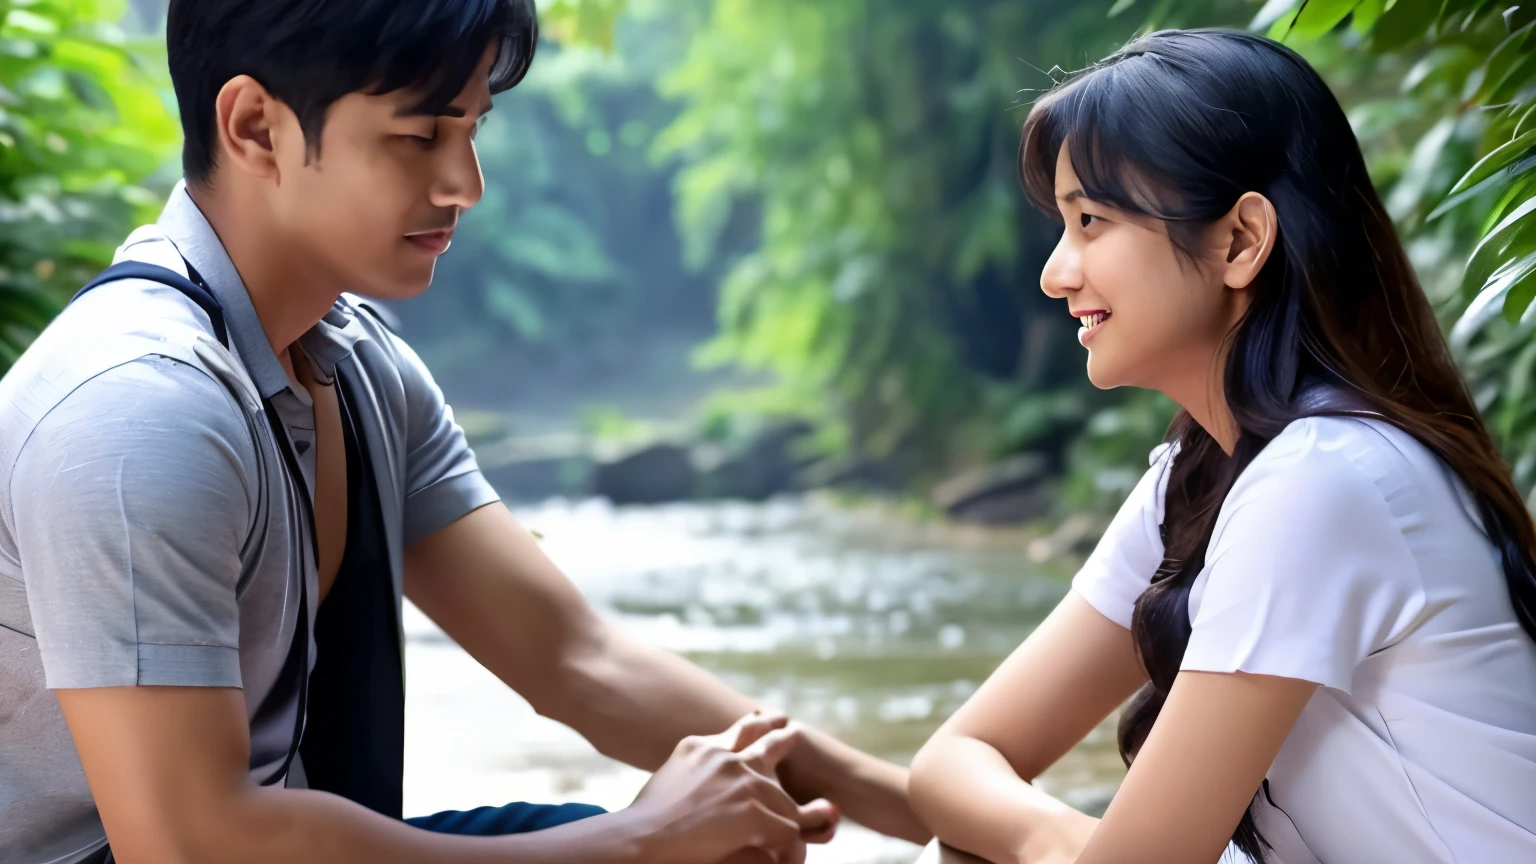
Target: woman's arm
[969,783]
[1214,741]
[1207,755]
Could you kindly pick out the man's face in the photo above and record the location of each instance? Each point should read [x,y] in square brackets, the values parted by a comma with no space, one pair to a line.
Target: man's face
[384,196]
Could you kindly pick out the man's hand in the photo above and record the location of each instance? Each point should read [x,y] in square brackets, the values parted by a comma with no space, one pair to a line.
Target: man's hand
[487,583]
[716,797]
[747,731]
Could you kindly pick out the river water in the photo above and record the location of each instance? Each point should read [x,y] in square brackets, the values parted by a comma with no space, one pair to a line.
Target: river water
[859,621]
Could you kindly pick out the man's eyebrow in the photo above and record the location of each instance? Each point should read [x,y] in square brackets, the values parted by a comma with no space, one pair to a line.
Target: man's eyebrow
[1071,196]
[447,111]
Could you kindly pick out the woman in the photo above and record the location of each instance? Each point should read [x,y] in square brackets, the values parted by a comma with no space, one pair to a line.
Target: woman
[1322,594]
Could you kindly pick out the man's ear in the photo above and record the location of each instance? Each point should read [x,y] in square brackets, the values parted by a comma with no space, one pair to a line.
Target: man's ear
[251,125]
[1247,233]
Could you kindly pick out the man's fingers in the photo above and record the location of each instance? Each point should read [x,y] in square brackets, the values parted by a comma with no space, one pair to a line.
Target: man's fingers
[765,754]
[777,835]
[747,730]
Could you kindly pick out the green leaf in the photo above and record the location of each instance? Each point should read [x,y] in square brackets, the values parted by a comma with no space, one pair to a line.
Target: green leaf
[1503,164]
[28,22]
[1514,237]
[513,307]
[1513,399]
[1319,17]
[1405,22]
[1366,14]
[1282,26]
[1273,12]
[1521,188]
[1516,82]
[1525,118]
[1519,278]
[1411,188]
[1120,6]
[1503,63]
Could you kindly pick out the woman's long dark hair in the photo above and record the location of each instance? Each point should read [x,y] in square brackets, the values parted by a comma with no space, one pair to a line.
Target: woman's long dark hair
[1177,125]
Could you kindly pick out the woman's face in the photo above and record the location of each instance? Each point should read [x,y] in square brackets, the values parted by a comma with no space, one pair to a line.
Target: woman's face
[1154,318]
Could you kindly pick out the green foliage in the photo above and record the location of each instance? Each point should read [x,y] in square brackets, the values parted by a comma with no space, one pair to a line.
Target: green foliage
[581,22]
[892,287]
[82,125]
[886,198]
[1455,148]
[875,149]
[571,244]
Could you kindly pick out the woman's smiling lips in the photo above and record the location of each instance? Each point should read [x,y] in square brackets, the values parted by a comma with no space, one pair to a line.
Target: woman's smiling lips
[1091,320]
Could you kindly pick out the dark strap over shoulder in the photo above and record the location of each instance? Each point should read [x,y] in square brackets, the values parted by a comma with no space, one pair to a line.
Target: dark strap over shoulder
[194,288]
[296,666]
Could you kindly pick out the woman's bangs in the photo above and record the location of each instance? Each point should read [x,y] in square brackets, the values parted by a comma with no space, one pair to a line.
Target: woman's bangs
[1090,116]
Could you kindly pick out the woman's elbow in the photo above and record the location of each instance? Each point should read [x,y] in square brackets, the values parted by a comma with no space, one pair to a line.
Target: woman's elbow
[927,777]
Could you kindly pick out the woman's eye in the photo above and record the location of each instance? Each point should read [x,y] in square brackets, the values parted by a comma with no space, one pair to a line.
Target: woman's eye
[1086,219]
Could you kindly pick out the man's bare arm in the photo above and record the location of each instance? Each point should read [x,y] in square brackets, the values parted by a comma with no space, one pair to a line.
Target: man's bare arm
[487,583]
[167,768]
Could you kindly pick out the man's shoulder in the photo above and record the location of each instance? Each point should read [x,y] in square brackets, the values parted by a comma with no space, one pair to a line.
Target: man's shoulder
[100,383]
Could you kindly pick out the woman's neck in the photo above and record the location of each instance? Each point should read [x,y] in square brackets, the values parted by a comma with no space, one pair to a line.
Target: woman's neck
[1204,397]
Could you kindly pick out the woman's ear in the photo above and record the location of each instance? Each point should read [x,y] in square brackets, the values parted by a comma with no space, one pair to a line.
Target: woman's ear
[1248,234]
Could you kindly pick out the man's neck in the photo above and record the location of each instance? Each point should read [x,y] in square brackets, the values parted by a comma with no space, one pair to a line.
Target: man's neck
[290,293]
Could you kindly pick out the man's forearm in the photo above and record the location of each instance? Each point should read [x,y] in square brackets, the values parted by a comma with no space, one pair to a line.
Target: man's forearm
[294,826]
[635,701]
[973,800]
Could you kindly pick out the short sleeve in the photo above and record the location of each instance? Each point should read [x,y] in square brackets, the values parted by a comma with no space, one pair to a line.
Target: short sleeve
[1131,550]
[443,480]
[1308,571]
[131,506]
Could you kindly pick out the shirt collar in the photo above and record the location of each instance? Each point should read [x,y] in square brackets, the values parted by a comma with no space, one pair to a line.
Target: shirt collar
[328,343]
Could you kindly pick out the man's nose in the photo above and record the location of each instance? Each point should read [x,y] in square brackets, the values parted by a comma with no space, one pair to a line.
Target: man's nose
[459,183]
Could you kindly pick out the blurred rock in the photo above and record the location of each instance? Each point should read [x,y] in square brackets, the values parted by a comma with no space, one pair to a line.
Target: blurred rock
[652,475]
[1007,492]
[857,472]
[765,467]
[538,478]
[1077,533]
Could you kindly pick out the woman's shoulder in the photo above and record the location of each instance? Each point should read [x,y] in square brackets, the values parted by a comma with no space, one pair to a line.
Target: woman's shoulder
[1347,468]
[1334,450]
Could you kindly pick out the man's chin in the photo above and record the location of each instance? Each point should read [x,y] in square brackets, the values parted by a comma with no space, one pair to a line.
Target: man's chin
[401,285]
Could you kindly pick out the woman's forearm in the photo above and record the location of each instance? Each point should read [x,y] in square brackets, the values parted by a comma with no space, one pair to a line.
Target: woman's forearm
[634,701]
[971,798]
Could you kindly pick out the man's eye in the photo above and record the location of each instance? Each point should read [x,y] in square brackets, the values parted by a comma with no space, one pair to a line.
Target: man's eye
[1086,219]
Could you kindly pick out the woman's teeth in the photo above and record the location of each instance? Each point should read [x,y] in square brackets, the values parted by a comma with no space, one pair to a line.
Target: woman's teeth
[1094,320]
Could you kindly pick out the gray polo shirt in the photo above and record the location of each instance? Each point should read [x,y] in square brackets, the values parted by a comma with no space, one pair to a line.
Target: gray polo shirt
[148,535]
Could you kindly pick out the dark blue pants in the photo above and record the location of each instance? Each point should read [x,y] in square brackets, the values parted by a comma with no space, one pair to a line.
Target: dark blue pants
[516,818]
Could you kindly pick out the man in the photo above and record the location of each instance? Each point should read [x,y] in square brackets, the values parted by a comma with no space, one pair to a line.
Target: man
[216,453]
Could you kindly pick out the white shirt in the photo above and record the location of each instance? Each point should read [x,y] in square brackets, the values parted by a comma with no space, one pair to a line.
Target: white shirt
[1348,554]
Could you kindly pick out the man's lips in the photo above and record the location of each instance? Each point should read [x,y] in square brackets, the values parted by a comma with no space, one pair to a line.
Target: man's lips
[434,242]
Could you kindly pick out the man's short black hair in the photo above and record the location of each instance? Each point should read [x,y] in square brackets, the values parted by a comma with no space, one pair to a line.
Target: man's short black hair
[310,53]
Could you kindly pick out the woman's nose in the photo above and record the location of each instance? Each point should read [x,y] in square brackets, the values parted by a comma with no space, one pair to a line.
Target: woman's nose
[1063,271]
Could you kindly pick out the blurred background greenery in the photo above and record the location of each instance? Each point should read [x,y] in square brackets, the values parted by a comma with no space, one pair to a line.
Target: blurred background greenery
[736,249]
[712,216]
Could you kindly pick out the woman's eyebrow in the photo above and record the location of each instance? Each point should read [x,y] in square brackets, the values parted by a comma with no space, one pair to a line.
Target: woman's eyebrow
[1071,196]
